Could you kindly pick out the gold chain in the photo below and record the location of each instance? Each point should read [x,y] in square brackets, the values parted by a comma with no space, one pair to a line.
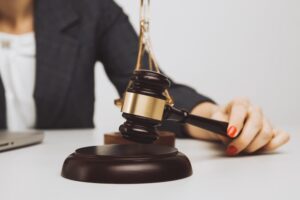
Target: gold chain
[145,46]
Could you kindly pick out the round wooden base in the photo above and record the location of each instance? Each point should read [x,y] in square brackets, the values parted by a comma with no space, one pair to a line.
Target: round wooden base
[126,163]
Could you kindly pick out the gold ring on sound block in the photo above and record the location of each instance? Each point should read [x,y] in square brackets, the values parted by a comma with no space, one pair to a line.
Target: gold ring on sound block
[143,105]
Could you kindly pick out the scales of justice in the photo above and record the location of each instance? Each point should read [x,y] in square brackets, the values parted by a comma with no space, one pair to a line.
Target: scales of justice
[145,105]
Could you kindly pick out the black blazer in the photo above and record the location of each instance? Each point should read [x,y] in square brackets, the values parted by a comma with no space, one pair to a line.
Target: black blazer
[71,36]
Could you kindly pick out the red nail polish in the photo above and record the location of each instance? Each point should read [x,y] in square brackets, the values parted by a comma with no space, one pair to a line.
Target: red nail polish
[231,131]
[231,150]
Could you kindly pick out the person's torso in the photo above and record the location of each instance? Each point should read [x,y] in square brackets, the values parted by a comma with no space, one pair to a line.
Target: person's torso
[66,53]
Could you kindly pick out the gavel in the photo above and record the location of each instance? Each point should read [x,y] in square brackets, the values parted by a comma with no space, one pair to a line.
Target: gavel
[145,107]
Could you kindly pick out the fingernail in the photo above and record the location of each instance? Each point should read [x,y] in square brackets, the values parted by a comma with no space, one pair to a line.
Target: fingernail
[231,131]
[231,150]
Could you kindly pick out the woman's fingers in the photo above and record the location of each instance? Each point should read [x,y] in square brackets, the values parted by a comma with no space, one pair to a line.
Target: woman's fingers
[279,139]
[252,127]
[263,137]
[238,111]
[255,132]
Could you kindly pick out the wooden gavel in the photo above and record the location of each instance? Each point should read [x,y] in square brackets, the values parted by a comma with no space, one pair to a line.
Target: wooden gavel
[145,107]
[147,103]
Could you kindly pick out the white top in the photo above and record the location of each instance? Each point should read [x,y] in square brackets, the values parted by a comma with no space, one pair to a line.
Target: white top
[34,173]
[17,69]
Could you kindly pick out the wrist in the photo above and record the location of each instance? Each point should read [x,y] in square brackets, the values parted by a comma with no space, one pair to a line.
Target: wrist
[206,110]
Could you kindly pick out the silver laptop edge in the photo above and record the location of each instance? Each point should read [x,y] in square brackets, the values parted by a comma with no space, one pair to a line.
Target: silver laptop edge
[12,140]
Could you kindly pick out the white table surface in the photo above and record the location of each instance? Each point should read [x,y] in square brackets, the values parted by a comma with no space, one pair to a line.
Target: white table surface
[33,173]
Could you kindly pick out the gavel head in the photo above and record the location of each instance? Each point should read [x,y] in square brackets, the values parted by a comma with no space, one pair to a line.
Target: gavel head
[143,106]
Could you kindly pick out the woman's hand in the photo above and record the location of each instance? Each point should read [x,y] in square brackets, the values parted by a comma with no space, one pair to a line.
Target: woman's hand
[256,132]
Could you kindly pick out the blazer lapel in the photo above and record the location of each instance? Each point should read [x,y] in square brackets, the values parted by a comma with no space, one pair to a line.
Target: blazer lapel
[56,53]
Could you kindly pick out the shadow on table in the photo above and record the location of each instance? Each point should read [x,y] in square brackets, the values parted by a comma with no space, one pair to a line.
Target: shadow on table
[218,151]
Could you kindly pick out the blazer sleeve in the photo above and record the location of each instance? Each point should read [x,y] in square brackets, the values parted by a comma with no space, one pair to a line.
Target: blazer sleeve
[118,49]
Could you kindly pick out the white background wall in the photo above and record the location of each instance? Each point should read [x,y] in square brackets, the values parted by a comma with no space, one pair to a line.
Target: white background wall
[223,48]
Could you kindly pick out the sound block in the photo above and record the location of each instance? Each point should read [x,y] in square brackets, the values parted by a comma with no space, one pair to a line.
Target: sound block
[165,138]
[126,163]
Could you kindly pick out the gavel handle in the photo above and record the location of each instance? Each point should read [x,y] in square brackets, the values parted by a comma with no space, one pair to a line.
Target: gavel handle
[181,116]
